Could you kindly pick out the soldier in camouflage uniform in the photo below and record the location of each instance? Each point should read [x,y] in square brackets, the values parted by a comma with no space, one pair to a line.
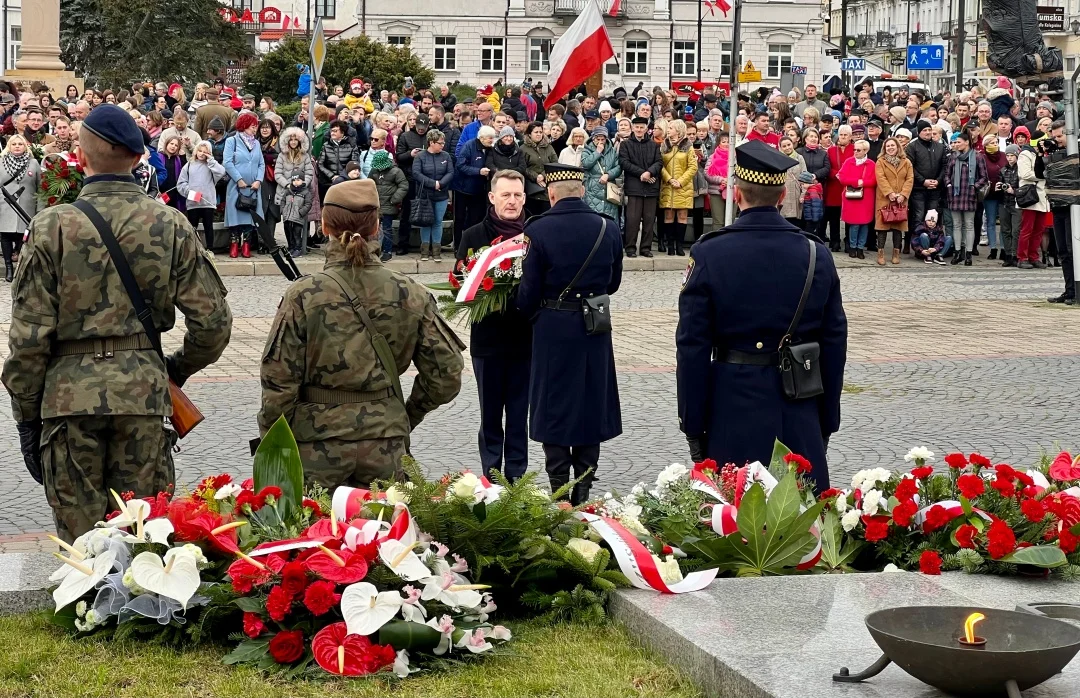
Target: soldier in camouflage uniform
[322,370]
[88,390]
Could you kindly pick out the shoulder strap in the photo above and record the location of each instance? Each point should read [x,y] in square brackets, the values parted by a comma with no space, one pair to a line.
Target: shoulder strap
[805,294]
[382,347]
[135,294]
[595,247]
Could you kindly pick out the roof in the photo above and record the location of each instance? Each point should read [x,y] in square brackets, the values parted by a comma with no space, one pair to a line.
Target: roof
[277,34]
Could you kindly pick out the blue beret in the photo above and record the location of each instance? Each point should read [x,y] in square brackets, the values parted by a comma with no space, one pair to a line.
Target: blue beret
[112,124]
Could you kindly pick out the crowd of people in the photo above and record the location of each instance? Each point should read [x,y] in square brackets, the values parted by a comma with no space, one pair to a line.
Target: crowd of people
[893,172]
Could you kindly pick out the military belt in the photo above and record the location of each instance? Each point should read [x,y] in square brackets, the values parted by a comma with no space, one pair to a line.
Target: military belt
[734,356]
[103,347]
[341,397]
[552,304]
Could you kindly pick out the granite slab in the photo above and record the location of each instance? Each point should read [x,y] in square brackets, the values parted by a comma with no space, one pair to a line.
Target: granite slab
[23,580]
[784,637]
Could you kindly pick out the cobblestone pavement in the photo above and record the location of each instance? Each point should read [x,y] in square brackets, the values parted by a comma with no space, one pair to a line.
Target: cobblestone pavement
[951,357]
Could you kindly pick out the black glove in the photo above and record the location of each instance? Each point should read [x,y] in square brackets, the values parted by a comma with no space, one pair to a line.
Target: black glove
[697,449]
[174,372]
[30,442]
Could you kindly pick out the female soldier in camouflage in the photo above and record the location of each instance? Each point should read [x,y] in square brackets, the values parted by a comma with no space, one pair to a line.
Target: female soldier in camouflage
[339,342]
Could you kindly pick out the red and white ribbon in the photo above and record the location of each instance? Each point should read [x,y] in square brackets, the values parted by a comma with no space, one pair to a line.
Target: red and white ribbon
[488,260]
[637,563]
[281,546]
[952,507]
[348,501]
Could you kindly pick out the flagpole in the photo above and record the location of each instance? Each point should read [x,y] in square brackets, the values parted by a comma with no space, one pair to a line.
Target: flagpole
[700,18]
[736,18]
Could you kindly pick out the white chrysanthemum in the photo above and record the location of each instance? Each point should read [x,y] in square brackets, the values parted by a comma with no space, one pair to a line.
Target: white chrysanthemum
[841,504]
[633,524]
[871,502]
[850,520]
[921,454]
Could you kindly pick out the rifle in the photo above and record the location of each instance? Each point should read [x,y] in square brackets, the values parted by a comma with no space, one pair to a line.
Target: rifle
[13,201]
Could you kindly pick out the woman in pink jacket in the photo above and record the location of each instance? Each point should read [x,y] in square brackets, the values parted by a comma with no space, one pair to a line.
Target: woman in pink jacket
[859,178]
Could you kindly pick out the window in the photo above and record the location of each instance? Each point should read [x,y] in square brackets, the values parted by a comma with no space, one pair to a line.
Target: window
[1070,64]
[445,53]
[684,58]
[491,55]
[637,54]
[326,9]
[779,60]
[725,57]
[242,5]
[539,55]
[397,40]
[15,46]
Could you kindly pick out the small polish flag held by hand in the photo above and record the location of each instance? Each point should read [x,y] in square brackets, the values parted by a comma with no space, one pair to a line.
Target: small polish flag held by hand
[580,52]
[164,198]
[194,196]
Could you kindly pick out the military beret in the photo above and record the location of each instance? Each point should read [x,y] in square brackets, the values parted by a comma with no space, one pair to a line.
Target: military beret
[356,195]
[112,124]
[758,163]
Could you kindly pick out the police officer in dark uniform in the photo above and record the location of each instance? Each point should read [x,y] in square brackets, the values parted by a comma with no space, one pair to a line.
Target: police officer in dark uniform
[574,254]
[741,291]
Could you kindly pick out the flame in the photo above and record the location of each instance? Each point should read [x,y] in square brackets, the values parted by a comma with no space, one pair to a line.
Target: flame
[969,626]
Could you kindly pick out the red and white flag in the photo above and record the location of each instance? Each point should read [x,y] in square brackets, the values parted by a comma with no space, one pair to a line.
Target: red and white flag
[614,11]
[296,22]
[723,6]
[194,196]
[164,198]
[285,23]
[580,52]
[712,8]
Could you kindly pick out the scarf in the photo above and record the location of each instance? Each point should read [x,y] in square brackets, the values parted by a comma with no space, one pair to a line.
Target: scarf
[893,160]
[249,141]
[15,165]
[969,158]
[497,227]
[811,147]
[507,150]
[793,155]
[861,162]
[63,146]
[380,160]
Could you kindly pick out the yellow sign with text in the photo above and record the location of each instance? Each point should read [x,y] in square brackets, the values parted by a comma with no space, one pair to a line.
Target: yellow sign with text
[749,73]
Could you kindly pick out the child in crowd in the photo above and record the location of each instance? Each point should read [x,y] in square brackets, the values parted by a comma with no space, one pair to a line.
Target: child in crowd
[930,241]
[1009,214]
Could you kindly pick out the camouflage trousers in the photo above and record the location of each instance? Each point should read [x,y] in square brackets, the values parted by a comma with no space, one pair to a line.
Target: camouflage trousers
[335,462]
[82,458]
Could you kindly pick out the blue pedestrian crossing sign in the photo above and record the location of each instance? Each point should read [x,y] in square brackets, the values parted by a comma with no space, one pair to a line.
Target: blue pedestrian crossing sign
[926,57]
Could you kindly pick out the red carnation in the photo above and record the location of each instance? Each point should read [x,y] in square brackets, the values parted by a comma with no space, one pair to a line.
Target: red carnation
[979,460]
[1005,470]
[965,536]
[906,489]
[488,283]
[294,578]
[956,460]
[319,598]
[801,464]
[1033,510]
[316,510]
[970,485]
[904,512]
[930,562]
[278,603]
[219,481]
[1023,478]
[922,472]
[1067,541]
[249,502]
[248,484]
[1004,487]
[287,646]
[506,264]
[877,528]
[936,517]
[706,465]
[52,201]
[253,625]
[1000,539]
[829,494]
[270,491]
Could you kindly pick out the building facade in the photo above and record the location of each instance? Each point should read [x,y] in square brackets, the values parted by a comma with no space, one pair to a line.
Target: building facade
[479,42]
[10,33]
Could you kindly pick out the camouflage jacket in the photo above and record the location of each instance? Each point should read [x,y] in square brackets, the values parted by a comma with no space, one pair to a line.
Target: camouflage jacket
[318,341]
[67,289]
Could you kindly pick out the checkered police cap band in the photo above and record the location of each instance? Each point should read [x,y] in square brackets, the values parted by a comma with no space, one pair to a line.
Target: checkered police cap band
[755,177]
[565,176]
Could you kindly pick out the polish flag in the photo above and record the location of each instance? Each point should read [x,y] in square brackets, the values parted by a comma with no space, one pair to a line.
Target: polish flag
[296,22]
[579,53]
[614,11]
[194,196]
[164,198]
[723,5]
[285,23]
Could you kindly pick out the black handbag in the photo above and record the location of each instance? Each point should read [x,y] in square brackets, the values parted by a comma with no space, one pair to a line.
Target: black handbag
[596,310]
[1027,195]
[247,202]
[800,364]
[421,212]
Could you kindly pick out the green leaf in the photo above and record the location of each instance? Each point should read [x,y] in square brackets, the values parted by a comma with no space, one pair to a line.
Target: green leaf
[777,467]
[441,286]
[250,604]
[965,503]
[65,617]
[277,462]
[404,635]
[977,522]
[1047,556]
[782,508]
[750,520]
[248,651]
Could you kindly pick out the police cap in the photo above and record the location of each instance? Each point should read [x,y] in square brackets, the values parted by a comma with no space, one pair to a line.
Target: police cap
[554,172]
[112,124]
[758,163]
[356,195]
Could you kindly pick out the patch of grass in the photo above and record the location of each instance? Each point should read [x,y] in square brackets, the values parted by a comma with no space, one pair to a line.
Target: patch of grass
[564,661]
[854,389]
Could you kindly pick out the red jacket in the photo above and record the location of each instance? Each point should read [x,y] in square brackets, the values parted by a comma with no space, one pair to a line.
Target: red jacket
[858,211]
[834,191]
[771,138]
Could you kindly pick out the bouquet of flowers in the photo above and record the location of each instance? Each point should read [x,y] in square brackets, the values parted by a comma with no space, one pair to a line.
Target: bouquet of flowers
[61,179]
[484,282]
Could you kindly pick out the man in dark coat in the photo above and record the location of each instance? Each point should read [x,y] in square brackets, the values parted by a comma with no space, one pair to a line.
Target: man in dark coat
[732,404]
[409,144]
[501,343]
[928,166]
[573,391]
[639,157]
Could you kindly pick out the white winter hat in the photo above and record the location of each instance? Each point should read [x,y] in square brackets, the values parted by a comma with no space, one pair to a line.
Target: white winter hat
[931,215]
[605,106]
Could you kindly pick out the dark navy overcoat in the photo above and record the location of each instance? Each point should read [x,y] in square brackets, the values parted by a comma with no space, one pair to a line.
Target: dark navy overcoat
[741,291]
[573,393]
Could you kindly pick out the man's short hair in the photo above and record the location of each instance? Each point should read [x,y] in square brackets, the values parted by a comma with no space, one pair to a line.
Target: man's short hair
[438,107]
[507,174]
[558,109]
[1060,123]
[567,188]
[759,194]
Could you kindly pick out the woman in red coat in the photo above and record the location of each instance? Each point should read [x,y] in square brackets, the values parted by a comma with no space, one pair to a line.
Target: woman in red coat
[858,176]
[834,191]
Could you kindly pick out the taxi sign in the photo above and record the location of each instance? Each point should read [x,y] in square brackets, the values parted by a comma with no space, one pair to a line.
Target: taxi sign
[749,73]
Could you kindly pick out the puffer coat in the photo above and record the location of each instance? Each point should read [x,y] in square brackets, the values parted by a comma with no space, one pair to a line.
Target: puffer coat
[679,163]
[596,164]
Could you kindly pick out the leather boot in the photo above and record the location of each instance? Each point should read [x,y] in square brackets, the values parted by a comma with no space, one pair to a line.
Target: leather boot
[557,482]
[436,252]
[9,271]
[993,254]
[245,250]
[234,249]
[579,494]
[957,257]
[423,252]
[967,259]
[895,256]
[881,257]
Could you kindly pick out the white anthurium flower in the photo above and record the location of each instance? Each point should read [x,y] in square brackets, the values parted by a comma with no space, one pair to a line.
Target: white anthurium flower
[401,664]
[132,512]
[155,531]
[502,633]
[920,454]
[176,576]
[411,608]
[84,576]
[465,486]
[366,609]
[402,561]
[445,589]
[872,502]
[585,548]
[228,490]
[851,519]
[445,625]
[487,495]
[474,641]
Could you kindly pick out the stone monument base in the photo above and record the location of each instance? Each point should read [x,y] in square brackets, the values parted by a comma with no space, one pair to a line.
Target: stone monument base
[57,80]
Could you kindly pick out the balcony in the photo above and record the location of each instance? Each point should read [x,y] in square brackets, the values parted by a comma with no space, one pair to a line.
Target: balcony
[885,40]
[572,8]
[920,38]
[948,29]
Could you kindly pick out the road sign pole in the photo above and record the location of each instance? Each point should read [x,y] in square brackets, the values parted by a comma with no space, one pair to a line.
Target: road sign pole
[960,37]
[843,41]
[733,100]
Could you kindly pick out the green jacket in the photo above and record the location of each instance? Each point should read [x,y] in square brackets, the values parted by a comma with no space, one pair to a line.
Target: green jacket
[536,156]
[318,341]
[67,289]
